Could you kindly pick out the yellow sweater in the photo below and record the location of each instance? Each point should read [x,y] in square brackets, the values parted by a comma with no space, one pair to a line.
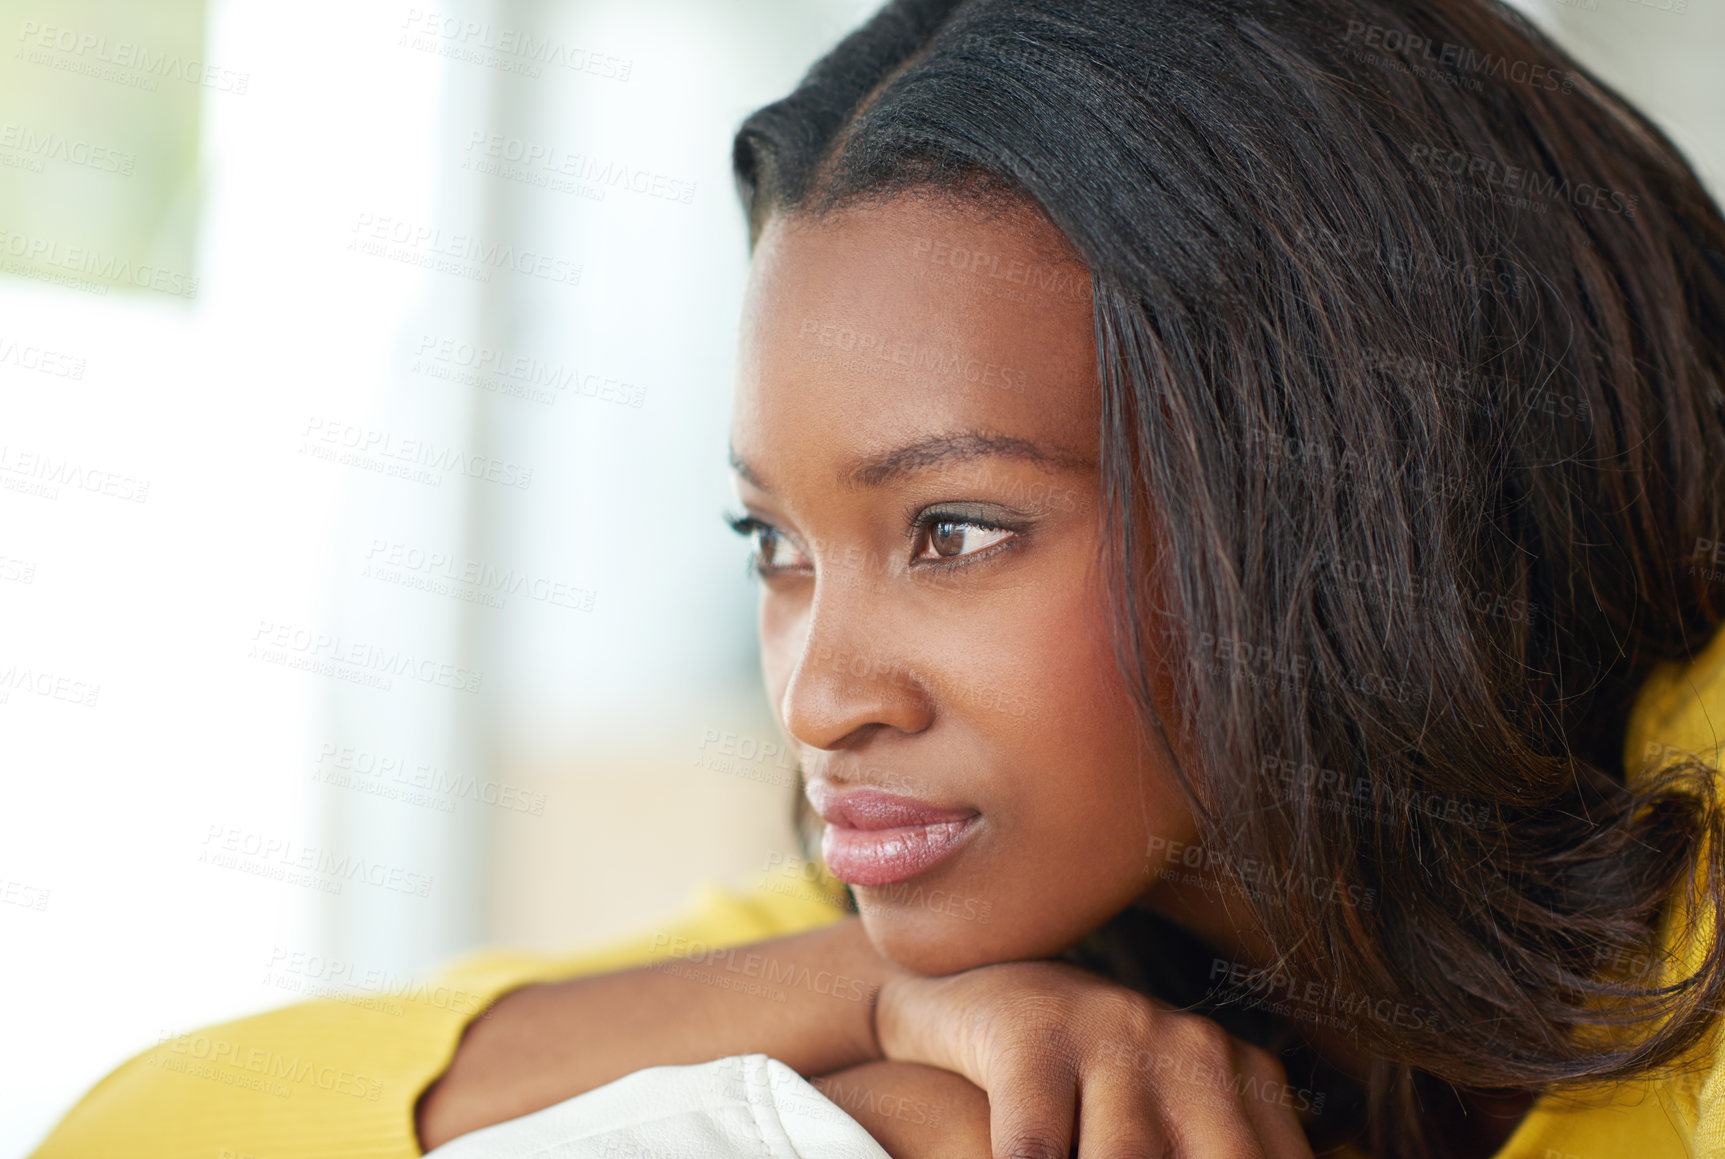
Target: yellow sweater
[340,1078]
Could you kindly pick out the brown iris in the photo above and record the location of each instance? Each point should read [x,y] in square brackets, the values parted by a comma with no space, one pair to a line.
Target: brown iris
[947,537]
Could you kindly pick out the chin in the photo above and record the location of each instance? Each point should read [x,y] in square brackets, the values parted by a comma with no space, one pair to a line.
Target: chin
[927,940]
[924,944]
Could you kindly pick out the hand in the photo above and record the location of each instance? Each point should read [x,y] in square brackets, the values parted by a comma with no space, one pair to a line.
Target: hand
[1057,1048]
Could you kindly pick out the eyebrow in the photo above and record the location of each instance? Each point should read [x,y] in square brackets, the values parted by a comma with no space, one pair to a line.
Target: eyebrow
[939,450]
[885,467]
[747,472]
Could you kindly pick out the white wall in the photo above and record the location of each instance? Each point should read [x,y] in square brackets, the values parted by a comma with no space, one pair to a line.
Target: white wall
[193,742]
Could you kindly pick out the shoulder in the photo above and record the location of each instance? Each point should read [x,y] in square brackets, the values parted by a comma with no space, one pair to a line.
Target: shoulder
[335,1069]
[1679,709]
[1679,713]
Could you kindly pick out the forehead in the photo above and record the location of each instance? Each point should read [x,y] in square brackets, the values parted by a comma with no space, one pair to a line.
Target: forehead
[873,326]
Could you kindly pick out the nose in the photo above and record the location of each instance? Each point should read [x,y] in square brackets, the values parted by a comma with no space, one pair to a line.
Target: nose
[854,676]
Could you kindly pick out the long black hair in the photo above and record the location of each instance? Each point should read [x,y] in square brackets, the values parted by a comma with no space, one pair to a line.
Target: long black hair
[1411,337]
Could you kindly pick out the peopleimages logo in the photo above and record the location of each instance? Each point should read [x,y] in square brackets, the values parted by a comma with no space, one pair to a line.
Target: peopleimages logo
[351,766]
[878,354]
[1279,991]
[41,360]
[40,146]
[514,373]
[745,963]
[1192,863]
[431,247]
[226,1054]
[1457,58]
[135,64]
[340,975]
[1060,281]
[330,654]
[1491,173]
[51,685]
[418,460]
[227,847]
[49,474]
[443,573]
[513,49]
[567,170]
[91,263]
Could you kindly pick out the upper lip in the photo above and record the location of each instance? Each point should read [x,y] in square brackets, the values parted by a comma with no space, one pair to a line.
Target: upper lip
[874,809]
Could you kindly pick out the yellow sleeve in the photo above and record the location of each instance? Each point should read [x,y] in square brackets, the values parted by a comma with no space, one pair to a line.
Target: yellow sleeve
[1679,710]
[337,1077]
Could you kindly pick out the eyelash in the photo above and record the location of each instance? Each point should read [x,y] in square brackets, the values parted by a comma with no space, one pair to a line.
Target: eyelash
[748,525]
[919,527]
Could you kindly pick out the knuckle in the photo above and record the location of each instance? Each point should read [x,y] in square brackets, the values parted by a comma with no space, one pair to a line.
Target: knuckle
[1132,1012]
[1203,1038]
[1257,1063]
[1044,1013]
[1125,1018]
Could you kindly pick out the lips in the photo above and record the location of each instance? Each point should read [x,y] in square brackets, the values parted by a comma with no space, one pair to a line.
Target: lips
[876,838]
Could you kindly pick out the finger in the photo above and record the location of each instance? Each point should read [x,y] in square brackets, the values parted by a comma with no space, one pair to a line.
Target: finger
[1279,1130]
[1229,1104]
[1119,1121]
[1198,1093]
[1271,1104]
[1032,1109]
[1211,1124]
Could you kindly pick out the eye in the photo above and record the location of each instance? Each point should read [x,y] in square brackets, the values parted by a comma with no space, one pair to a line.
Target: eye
[774,553]
[943,536]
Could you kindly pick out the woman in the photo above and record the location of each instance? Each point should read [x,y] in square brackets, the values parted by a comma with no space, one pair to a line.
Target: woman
[1233,486]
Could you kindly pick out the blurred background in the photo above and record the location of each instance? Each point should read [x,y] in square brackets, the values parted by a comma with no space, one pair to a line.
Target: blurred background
[364,385]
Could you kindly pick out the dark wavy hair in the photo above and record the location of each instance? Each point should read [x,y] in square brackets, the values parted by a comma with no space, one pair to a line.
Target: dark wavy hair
[1411,336]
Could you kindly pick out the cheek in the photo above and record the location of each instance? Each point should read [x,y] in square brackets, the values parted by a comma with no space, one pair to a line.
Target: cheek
[1084,711]
[1094,786]
[782,634]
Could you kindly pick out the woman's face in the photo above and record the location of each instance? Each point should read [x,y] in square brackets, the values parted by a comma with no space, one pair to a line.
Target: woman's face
[916,425]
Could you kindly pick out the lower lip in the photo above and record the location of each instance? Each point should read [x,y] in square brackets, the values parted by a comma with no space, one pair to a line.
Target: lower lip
[883,856]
